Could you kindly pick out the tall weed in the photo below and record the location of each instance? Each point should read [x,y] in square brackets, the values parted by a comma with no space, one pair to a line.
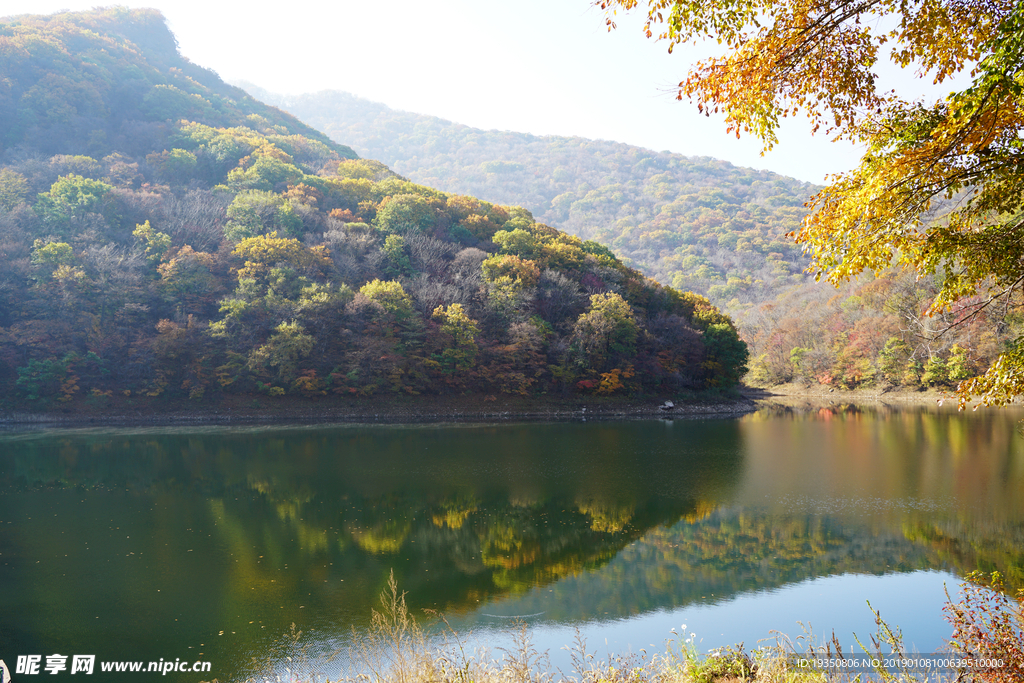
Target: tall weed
[988,624]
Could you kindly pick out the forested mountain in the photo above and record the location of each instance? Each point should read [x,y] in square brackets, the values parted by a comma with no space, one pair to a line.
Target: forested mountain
[699,224]
[163,235]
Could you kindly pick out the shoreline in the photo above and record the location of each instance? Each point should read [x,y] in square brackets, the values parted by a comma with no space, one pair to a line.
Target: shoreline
[786,394]
[391,409]
[473,408]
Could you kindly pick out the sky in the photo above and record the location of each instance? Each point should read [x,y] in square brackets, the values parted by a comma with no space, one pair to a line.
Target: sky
[536,66]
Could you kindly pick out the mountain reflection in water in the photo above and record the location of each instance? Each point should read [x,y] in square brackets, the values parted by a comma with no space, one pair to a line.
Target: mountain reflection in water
[149,543]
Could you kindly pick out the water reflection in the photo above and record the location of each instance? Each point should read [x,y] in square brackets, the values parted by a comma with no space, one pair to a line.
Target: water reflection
[151,543]
[842,453]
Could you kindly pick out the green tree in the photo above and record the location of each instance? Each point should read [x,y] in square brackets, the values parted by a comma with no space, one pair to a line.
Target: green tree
[286,347]
[175,167]
[69,197]
[390,295]
[935,371]
[727,355]
[52,254]
[461,351]
[606,332]
[13,188]
[912,372]
[265,252]
[397,254]
[257,212]
[796,359]
[275,273]
[892,359]
[170,103]
[519,242]
[525,272]
[404,212]
[41,380]
[958,366]
[266,172]
[322,303]
[157,243]
[820,57]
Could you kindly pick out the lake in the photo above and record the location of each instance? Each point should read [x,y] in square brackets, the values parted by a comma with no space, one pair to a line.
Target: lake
[185,543]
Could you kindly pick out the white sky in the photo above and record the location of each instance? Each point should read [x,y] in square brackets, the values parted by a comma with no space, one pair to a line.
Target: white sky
[537,66]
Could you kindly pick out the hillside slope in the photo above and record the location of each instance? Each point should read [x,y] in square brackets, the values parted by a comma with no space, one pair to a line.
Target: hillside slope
[698,224]
[112,80]
[177,247]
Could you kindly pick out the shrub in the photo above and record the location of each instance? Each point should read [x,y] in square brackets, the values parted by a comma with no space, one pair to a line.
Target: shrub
[989,624]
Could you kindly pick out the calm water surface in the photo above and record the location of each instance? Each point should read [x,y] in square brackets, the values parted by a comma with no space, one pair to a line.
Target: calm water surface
[161,543]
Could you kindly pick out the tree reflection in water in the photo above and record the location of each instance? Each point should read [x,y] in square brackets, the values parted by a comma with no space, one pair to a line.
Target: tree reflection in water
[246,531]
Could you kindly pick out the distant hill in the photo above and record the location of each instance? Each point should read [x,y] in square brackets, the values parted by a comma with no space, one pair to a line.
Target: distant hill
[167,239]
[695,223]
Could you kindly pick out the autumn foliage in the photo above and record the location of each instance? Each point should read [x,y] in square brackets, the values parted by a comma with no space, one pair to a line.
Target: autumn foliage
[939,188]
[988,625]
[230,253]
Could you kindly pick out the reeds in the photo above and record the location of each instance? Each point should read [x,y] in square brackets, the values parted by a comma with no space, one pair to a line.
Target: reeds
[395,649]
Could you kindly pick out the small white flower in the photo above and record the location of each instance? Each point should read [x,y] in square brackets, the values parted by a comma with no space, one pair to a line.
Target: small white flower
[684,627]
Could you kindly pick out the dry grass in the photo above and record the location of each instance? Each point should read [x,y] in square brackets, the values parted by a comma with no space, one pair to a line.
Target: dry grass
[395,649]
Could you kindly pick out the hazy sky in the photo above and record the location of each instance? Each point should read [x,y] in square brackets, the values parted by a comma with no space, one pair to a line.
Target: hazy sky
[538,66]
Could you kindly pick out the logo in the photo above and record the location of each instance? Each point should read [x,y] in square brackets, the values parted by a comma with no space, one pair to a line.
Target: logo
[5,673]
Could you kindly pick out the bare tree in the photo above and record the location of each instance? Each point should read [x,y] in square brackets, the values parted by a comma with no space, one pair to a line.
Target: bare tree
[559,298]
[429,255]
[196,219]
